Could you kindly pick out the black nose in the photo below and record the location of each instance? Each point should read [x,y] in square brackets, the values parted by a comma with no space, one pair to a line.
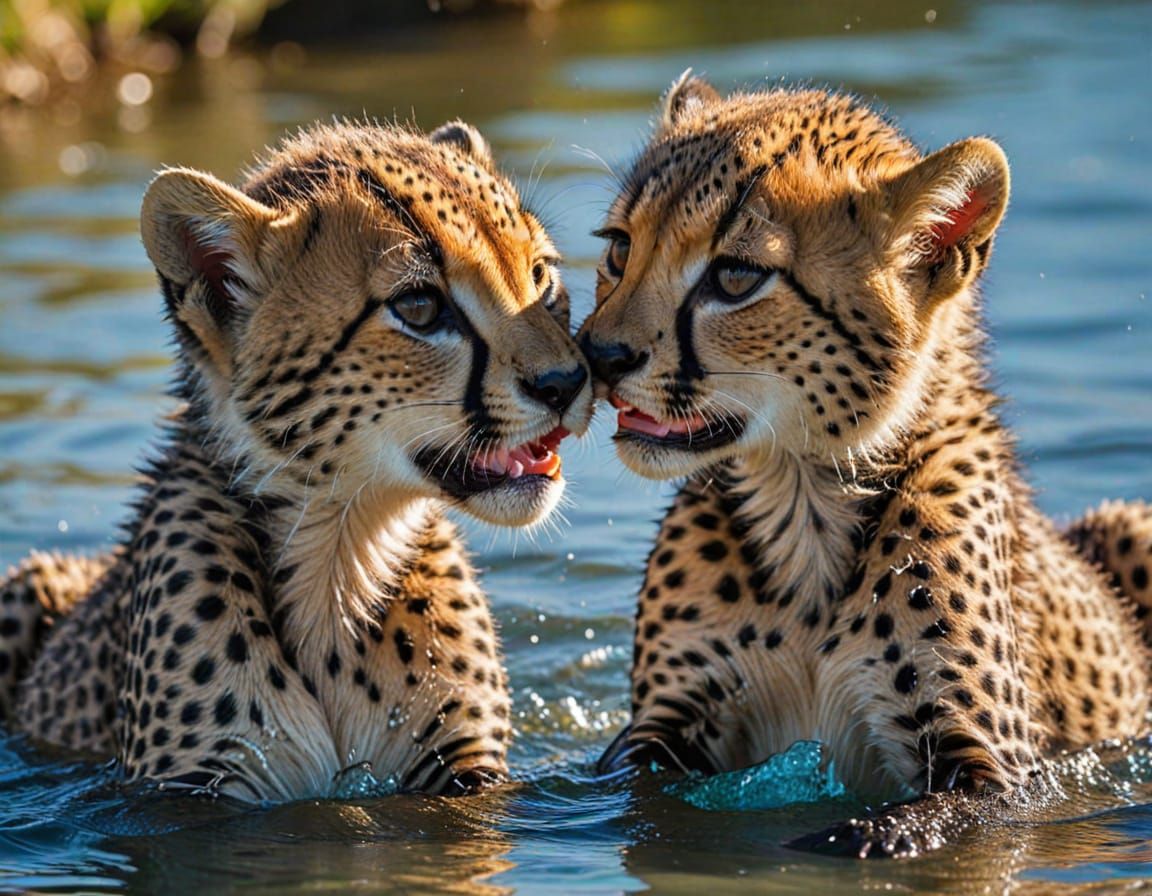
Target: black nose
[612,361]
[556,388]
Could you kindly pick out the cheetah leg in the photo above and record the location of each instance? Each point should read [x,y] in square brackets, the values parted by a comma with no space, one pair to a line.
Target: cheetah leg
[33,596]
[1117,536]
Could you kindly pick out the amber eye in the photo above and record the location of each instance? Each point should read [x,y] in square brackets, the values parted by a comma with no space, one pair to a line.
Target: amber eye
[422,310]
[618,251]
[735,280]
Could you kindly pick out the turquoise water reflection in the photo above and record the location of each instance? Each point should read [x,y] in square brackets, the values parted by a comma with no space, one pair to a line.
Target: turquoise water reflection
[1066,89]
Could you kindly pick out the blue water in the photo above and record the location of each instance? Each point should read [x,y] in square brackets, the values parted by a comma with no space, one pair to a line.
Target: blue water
[800,774]
[1065,87]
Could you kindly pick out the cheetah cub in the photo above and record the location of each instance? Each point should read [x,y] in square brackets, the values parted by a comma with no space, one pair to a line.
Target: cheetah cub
[787,315]
[371,329]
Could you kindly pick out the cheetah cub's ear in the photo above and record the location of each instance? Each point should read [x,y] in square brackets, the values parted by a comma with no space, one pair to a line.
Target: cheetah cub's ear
[211,245]
[467,140]
[687,95]
[942,214]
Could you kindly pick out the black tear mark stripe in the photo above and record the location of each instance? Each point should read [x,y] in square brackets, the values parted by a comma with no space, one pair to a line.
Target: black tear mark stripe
[833,320]
[690,368]
[474,405]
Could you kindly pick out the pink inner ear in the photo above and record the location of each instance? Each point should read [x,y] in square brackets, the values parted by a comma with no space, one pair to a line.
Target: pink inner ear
[209,262]
[960,221]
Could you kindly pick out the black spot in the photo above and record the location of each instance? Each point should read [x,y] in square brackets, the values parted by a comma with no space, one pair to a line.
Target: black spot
[906,678]
[177,582]
[883,585]
[921,570]
[237,649]
[204,670]
[404,646]
[728,590]
[707,521]
[225,710]
[714,551]
[937,629]
[920,597]
[210,607]
[191,712]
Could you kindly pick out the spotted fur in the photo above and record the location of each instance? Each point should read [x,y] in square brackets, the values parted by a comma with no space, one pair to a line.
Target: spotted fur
[372,315]
[854,556]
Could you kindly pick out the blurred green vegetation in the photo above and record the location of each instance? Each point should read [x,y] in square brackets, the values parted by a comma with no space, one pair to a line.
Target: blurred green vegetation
[47,45]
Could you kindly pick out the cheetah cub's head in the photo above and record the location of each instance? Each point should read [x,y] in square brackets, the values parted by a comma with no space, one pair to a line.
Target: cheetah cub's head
[373,315]
[780,268]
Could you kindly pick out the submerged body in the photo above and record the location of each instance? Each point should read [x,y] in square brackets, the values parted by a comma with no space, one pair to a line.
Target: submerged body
[787,315]
[371,329]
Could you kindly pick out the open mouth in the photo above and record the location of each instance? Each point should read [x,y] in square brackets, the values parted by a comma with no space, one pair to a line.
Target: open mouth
[691,433]
[494,467]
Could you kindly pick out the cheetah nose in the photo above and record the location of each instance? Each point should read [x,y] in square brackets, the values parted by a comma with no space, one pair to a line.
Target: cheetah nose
[612,361]
[556,388]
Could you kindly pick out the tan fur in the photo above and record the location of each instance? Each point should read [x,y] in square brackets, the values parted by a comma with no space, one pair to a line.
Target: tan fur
[289,600]
[854,557]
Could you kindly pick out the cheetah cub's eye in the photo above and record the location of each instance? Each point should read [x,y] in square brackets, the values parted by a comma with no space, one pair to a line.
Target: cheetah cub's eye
[734,281]
[618,251]
[422,310]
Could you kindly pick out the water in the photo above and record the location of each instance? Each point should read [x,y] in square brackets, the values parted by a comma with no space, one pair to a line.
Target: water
[1064,87]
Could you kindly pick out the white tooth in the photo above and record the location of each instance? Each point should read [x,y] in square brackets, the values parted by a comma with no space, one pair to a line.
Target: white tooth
[515,470]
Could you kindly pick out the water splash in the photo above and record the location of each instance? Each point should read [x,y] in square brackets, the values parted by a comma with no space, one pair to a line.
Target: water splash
[357,782]
[798,775]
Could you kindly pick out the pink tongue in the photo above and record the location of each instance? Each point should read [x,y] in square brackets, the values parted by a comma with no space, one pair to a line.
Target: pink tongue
[638,421]
[519,461]
[529,464]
